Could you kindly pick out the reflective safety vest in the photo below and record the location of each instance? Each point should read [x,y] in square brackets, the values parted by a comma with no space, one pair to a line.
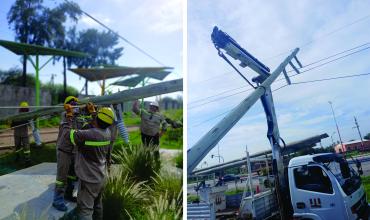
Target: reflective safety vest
[93,146]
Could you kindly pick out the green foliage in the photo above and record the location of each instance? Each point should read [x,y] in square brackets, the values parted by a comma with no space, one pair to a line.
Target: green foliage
[101,47]
[131,119]
[14,77]
[141,163]
[45,153]
[193,198]
[57,92]
[169,184]
[50,123]
[178,160]
[233,192]
[163,208]
[367,137]
[123,198]
[174,114]
[366,184]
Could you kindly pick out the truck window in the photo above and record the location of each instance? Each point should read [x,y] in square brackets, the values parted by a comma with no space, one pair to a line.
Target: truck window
[312,178]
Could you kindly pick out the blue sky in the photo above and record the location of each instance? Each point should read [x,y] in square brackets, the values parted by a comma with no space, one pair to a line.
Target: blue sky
[155,26]
[265,30]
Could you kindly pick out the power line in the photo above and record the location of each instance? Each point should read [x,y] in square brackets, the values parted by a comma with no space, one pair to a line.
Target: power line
[315,67]
[323,36]
[116,33]
[310,42]
[296,83]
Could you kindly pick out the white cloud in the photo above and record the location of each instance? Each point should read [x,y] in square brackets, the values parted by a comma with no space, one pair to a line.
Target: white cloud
[266,29]
[165,16]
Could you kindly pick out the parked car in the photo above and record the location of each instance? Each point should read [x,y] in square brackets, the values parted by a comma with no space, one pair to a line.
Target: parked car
[230,177]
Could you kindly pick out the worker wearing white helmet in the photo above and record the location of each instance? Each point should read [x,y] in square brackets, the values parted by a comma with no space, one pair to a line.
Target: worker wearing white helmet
[153,124]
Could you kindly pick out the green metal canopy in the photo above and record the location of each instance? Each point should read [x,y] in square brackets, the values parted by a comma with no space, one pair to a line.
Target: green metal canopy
[30,49]
[36,50]
[136,80]
[96,73]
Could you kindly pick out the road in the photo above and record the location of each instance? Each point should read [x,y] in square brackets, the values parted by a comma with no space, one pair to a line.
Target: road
[240,185]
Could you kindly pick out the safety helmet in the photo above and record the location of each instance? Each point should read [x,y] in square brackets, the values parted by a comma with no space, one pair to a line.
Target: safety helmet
[24,104]
[106,115]
[155,103]
[70,98]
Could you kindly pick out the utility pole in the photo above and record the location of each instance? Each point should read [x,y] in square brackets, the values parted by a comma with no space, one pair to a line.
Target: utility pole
[359,133]
[262,91]
[336,124]
[332,140]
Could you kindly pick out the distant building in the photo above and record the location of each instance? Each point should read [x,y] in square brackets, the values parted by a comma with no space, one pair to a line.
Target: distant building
[170,103]
[352,146]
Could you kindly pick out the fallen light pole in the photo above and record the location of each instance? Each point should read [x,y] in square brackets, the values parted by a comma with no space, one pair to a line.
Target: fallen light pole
[115,98]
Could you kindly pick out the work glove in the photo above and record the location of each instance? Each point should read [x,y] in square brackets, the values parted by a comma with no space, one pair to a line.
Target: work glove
[69,110]
[90,108]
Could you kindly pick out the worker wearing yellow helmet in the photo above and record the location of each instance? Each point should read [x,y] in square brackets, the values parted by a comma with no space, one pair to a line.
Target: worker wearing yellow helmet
[93,146]
[21,139]
[66,153]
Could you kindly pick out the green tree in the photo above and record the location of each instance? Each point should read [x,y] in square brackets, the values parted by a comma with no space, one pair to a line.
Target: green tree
[101,47]
[21,17]
[34,23]
[367,137]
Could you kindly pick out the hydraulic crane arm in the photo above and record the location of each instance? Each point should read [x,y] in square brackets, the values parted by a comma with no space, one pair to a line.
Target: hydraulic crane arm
[212,137]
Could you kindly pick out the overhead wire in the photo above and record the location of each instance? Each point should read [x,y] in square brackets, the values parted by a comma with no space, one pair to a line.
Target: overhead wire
[296,83]
[307,70]
[311,41]
[116,33]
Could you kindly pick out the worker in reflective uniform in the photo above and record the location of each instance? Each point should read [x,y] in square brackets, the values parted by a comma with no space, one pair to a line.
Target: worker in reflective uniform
[21,140]
[93,146]
[153,124]
[66,177]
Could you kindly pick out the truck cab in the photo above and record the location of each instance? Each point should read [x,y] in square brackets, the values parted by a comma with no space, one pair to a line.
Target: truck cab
[324,186]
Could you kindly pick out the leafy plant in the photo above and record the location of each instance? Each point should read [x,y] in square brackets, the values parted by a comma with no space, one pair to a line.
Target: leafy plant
[178,160]
[140,162]
[123,198]
[169,184]
[164,208]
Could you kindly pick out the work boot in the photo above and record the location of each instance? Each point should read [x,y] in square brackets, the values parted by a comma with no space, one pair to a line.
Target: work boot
[58,202]
[69,192]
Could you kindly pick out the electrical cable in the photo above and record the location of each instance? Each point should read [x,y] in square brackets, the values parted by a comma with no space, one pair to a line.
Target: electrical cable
[116,33]
[307,70]
[302,82]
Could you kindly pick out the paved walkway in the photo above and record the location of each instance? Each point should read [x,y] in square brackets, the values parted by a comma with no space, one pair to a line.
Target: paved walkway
[29,193]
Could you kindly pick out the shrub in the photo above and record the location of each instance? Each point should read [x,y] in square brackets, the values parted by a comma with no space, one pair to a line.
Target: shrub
[169,184]
[139,162]
[164,209]
[123,198]
[178,160]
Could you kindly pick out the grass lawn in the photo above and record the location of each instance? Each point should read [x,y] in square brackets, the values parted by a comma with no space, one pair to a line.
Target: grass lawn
[46,153]
[167,141]
[366,183]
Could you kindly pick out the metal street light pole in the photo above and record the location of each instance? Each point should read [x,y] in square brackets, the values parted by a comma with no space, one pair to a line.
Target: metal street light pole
[359,133]
[332,140]
[336,124]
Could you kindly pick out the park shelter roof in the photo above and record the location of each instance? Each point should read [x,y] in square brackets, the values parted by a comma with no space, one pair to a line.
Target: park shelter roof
[97,73]
[134,81]
[31,49]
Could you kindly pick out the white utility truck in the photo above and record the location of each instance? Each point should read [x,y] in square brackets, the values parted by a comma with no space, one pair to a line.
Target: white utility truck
[321,187]
[324,186]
